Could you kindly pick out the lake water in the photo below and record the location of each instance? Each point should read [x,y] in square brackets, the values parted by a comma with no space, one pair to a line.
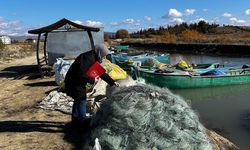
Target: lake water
[225,109]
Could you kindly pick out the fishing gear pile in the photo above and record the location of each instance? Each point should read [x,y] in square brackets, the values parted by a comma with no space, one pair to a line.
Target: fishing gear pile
[147,117]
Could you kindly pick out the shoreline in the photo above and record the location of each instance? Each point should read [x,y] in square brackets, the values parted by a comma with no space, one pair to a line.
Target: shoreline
[195,48]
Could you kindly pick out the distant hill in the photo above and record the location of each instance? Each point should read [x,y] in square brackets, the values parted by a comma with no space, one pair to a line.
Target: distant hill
[231,29]
[109,34]
[23,38]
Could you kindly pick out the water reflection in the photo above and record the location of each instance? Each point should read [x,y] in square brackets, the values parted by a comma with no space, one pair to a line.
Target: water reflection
[220,91]
[225,109]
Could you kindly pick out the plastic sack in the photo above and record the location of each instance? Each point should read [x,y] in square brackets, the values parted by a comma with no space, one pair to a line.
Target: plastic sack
[214,72]
[61,68]
[97,145]
[114,71]
[182,65]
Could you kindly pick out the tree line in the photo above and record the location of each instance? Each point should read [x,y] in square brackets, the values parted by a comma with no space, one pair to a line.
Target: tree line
[202,27]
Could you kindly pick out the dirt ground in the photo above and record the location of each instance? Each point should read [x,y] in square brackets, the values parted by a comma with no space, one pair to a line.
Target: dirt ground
[22,124]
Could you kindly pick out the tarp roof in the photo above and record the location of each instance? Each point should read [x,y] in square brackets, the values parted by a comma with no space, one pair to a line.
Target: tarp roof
[59,24]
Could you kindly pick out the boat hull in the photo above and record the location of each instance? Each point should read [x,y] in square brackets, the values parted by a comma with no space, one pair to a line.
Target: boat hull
[188,81]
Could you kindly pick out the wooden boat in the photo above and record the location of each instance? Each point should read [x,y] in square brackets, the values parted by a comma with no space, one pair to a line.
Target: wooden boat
[184,79]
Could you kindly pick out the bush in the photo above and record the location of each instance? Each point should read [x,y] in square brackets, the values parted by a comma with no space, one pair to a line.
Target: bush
[1,45]
[156,38]
[168,37]
[190,35]
[122,33]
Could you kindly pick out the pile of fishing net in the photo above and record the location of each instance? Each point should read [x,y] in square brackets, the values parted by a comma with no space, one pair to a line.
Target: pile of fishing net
[152,62]
[144,117]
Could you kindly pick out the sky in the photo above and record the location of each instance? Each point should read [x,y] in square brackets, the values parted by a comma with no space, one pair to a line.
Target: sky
[19,16]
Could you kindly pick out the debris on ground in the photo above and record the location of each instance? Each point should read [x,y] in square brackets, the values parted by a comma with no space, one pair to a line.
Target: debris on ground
[57,101]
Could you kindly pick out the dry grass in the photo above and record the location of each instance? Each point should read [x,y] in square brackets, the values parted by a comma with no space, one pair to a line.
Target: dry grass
[245,35]
[166,37]
[14,51]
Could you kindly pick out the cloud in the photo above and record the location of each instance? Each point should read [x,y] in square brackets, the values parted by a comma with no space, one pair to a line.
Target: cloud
[1,19]
[12,33]
[89,23]
[4,25]
[236,21]
[216,19]
[198,20]
[147,18]
[172,13]
[177,21]
[16,27]
[226,14]
[15,23]
[128,21]
[137,24]
[114,23]
[78,22]
[10,24]
[205,10]
[189,12]
[93,23]
[247,12]
[13,28]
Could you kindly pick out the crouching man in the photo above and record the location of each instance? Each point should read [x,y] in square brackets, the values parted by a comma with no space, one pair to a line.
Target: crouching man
[77,78]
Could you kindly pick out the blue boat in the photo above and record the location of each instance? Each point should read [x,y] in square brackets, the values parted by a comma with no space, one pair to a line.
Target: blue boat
[126,61]
[140,56]
[120,47]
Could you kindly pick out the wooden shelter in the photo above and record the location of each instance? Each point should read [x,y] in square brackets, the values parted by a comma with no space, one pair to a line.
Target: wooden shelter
[61,25]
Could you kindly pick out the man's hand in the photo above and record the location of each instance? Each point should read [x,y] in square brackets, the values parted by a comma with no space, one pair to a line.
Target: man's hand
[96,79]
[117,84]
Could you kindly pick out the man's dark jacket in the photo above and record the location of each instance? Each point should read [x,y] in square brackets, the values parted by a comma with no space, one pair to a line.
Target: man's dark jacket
[76,77]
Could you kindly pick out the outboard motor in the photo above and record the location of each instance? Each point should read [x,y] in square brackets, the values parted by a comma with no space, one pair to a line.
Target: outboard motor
[246,66]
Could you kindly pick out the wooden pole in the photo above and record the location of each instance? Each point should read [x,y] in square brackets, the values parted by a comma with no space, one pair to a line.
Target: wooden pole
[91,39]
[37,54]
[45,48]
